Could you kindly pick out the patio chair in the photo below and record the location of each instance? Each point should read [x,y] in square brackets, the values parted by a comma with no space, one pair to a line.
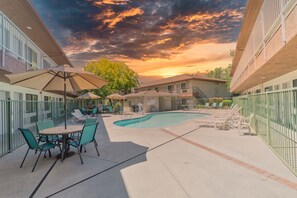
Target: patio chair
[41,125]
[33,144]
[245,122]
[224,122]
[207,105]
[94,111]
[214,105]
[77,118]
[87,136]
[220,105]
[83,111]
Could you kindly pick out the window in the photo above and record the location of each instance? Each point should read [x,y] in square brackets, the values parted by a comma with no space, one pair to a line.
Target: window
[268,88]
[276,87]
[47,103]
[258,91]
[286,85]
[31,104]
[32,58]
[157,89]
[46,64]
[295,83]
[170,87]
[17,46]
[7,38]
[183,86]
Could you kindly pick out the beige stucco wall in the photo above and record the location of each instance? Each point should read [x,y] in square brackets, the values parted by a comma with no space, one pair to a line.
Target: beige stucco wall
[211,89]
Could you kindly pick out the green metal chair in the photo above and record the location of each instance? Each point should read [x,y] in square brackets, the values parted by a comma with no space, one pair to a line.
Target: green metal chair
[87,136]
[41,125]
[94,111]
[33,144]
[89,121]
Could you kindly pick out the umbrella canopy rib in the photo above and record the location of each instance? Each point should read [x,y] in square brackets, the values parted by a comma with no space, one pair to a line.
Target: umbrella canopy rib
[27,78]
[87,80]
[50,81]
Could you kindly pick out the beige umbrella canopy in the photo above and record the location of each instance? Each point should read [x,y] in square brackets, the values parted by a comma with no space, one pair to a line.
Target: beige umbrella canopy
[88,95]
[116,96]
[150,93]
[61,78]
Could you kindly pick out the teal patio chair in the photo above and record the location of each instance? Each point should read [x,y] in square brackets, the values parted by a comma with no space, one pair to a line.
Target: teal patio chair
[89,121]
[33,144]
[41,125]
[94,111]
[83,110]
[87,136]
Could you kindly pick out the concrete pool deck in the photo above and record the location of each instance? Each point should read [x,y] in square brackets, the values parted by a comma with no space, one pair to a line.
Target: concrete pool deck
[177,161]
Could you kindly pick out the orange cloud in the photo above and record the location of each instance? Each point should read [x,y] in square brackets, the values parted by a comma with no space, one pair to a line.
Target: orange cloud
[112,19]
[111,2]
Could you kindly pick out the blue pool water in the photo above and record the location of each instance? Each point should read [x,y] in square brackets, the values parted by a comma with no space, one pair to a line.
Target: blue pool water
[157,120]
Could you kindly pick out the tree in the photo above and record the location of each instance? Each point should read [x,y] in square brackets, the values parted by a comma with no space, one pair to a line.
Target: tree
[222,73]
[119,76]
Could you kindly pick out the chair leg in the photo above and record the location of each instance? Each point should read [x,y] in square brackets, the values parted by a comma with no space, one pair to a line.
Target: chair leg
[96,145]
[25,157]
[49,153]
[38,143]
[36,161]
[79,155]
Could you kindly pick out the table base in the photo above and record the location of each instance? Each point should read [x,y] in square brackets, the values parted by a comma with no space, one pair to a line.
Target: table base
[66,155]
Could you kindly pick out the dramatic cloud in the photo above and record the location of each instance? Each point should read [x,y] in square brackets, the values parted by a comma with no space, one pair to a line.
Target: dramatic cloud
[148,33]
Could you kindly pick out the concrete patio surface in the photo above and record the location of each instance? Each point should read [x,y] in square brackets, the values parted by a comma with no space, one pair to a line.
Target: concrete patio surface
[175,161]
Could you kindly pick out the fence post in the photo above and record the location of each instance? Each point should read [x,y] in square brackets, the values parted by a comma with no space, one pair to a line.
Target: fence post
[9,131]
[267,117]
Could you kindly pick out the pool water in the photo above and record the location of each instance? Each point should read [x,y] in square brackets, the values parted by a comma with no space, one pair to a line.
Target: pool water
[157,120]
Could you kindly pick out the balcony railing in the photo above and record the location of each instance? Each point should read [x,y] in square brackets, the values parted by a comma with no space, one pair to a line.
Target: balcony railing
[271,16]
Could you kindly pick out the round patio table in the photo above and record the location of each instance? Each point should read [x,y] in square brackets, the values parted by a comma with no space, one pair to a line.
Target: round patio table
[60,130]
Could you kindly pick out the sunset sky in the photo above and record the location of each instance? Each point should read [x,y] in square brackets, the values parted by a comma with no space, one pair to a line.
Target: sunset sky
[156,38]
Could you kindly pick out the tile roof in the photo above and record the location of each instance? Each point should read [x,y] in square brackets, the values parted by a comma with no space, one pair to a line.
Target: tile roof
[179,78]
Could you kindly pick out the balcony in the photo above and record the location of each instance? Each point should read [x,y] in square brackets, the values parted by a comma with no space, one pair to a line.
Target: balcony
[269,51]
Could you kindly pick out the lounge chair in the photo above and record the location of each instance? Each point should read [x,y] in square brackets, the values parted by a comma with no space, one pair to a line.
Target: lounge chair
[224,122]
[77,118]
[214,105]
[245,122]
[33,145]
[220,105]
[207,105]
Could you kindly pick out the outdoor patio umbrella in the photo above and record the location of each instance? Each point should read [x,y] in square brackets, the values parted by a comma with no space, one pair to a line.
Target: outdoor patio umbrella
[88,95]
[116,96]
[61,78]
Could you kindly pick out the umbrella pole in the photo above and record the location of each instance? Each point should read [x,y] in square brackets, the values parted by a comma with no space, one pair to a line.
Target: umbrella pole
[65,113]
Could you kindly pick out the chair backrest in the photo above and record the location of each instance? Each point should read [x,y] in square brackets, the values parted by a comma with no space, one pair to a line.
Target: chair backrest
[30,139]
[44,125]
[94,110]
[83,111]
[89,121]
[88,134]
[78,113]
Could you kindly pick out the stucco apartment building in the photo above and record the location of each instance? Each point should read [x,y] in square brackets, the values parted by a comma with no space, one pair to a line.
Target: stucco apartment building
[265,74]
[266,58]
[190,89]
[25,44]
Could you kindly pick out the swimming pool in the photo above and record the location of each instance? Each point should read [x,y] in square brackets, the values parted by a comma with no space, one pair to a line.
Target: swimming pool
[156,120]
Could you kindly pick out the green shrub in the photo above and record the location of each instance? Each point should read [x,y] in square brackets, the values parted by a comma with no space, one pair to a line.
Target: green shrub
[200,106]
[117,107]
[107,102]
[215,100]
[227,103]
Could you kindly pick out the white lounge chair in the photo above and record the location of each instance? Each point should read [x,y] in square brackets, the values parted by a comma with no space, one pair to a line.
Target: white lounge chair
[224,122]
[245,122]
[77,117]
